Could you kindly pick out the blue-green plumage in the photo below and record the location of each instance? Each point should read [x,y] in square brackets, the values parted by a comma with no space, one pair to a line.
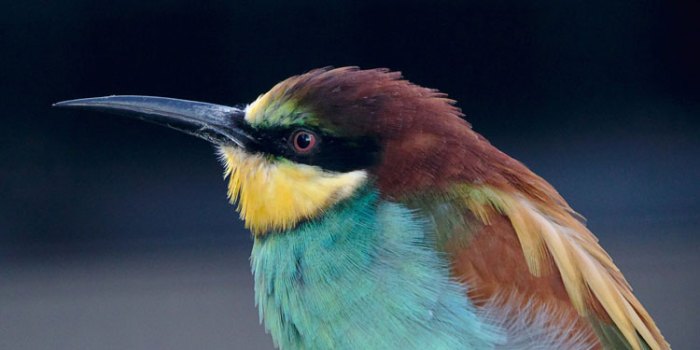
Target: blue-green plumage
[363,276]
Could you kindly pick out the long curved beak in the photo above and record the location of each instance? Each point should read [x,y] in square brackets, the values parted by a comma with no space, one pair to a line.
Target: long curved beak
[215,123]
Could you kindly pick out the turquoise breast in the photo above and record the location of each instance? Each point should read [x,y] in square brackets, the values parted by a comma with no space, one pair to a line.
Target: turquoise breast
[365,275]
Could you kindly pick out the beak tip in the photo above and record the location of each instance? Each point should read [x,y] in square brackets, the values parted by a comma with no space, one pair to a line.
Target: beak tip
[82,102]
[67,103]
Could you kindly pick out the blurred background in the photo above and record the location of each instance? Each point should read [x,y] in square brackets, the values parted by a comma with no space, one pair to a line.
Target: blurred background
[116,234]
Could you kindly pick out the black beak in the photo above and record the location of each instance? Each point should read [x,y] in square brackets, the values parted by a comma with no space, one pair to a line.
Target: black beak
[218,124]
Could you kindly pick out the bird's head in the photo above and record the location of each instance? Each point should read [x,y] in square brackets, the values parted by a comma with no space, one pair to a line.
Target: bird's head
[314,140]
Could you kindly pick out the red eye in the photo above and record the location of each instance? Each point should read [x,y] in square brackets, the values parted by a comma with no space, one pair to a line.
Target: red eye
[303,141]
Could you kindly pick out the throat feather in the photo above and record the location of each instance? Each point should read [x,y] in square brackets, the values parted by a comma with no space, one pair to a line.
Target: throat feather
[275,195]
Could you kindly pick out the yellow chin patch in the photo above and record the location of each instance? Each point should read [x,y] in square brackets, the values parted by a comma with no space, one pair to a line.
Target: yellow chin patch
[276,195]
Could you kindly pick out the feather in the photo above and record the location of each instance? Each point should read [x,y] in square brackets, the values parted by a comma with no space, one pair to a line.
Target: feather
[550,236]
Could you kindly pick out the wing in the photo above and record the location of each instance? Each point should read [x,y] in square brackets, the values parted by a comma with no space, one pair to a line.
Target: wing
[528,250]
[508,232]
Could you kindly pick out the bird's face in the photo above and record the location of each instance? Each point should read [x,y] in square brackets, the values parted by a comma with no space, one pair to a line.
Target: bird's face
[308,143]
[299,165]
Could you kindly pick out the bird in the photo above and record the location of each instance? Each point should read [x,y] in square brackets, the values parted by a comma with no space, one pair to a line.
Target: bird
[381,220]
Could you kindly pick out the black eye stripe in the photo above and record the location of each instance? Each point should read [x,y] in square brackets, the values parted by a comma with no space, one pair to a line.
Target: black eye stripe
[329,152]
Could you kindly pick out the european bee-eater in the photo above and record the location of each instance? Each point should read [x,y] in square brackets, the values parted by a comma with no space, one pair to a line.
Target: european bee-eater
[381,220]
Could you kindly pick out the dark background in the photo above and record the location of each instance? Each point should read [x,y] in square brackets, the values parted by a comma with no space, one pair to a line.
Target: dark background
[117,234]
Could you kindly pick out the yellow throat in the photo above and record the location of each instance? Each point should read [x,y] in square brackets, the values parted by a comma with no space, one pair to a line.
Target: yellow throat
[274,195]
